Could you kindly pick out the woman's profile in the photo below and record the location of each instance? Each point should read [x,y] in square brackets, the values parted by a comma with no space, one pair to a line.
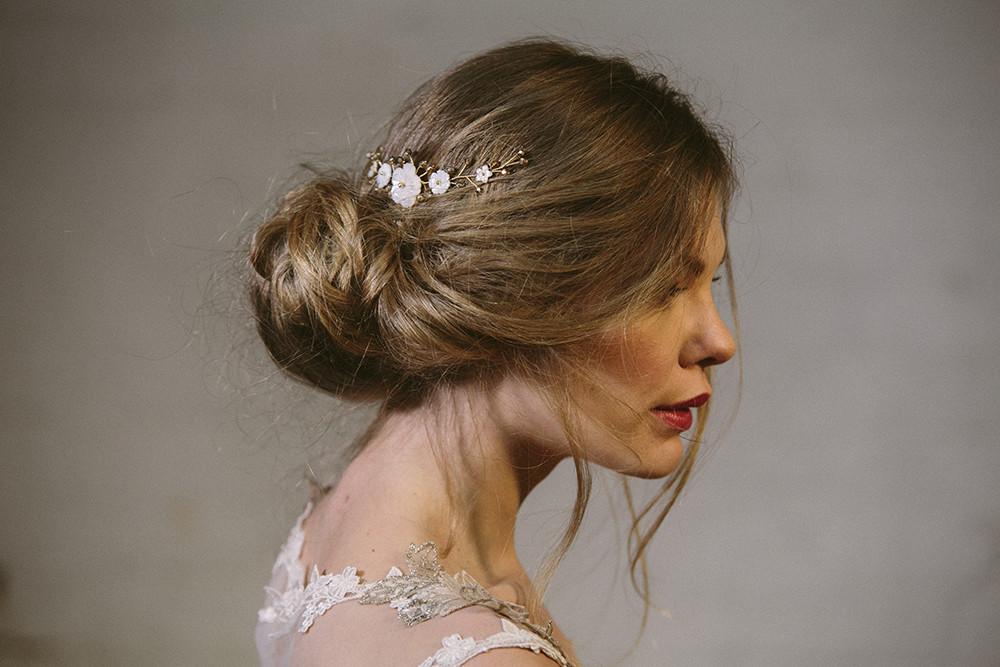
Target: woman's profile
[519,273]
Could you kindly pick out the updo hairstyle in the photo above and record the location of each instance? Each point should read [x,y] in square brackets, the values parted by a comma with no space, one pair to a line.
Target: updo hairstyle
[366,300]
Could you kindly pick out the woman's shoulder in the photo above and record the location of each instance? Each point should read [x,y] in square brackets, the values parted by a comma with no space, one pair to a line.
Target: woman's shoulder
[426,616]
[362,635]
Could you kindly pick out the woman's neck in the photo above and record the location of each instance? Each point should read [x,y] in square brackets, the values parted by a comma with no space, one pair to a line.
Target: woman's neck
[394,493]
[398,477]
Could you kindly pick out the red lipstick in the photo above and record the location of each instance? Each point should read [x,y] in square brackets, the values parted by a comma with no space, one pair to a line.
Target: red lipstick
[678,416]
[696,402]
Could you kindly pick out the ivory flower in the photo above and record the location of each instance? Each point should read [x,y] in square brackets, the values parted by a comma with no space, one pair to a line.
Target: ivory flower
[483,173]
[454,650]
[405,185]
[439,181]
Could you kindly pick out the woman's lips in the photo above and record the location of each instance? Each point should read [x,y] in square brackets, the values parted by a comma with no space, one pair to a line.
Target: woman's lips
[676,418]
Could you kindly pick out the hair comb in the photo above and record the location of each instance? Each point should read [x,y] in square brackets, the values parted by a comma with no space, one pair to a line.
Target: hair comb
[410,183]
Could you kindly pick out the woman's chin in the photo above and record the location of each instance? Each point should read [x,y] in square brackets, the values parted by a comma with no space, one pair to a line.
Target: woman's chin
[659,459]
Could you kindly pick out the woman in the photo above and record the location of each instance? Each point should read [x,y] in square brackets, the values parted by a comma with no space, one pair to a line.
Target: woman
[522,272]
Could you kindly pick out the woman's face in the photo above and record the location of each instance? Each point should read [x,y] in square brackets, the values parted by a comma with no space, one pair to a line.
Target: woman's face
[659,360]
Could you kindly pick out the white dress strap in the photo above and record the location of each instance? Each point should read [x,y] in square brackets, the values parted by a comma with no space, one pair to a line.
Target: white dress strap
[457,650]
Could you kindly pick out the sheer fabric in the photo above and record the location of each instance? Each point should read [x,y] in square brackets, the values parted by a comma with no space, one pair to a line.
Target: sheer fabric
[293,602]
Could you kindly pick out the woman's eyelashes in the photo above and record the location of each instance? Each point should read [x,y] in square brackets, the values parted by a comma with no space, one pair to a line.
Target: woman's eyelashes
[677,289]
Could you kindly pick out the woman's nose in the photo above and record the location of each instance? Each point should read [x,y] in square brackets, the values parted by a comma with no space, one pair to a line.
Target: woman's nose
[719,345]
[712,342]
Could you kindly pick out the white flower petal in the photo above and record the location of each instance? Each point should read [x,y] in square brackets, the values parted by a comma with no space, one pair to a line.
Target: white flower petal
[483,173]
[406,185]
[384,175]
[439,181]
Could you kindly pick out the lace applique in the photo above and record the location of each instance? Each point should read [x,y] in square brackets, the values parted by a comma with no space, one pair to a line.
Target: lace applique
[285,604]
[457,650]
[429,591]
[425,592]
[288,557]
[326,590]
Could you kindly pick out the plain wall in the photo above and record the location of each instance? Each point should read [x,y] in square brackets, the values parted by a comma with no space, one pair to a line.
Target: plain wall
[152,462]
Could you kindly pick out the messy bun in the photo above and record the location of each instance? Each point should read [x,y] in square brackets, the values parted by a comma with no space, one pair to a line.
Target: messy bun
[359,303]
[353,302]
[311,294]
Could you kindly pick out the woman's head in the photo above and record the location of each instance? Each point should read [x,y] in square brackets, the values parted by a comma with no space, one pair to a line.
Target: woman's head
[607,220]
[592,258]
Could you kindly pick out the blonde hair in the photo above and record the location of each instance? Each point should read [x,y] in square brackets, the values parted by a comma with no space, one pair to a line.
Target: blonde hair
[607,221]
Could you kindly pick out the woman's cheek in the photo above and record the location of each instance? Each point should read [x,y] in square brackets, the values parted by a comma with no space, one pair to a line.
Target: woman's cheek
[647,356]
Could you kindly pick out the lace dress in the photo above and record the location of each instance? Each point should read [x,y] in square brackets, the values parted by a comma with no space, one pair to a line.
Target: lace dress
[292,604]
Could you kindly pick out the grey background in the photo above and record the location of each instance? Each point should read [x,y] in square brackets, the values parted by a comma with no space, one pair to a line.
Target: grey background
[151,464]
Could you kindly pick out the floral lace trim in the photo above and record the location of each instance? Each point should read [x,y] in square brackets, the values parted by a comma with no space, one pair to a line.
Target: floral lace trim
[425,592]
[282,605]
[429,591]
[457,650]
[291,550]
[314,598]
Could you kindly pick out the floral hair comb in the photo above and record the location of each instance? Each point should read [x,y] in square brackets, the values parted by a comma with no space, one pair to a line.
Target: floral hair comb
[410,183]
